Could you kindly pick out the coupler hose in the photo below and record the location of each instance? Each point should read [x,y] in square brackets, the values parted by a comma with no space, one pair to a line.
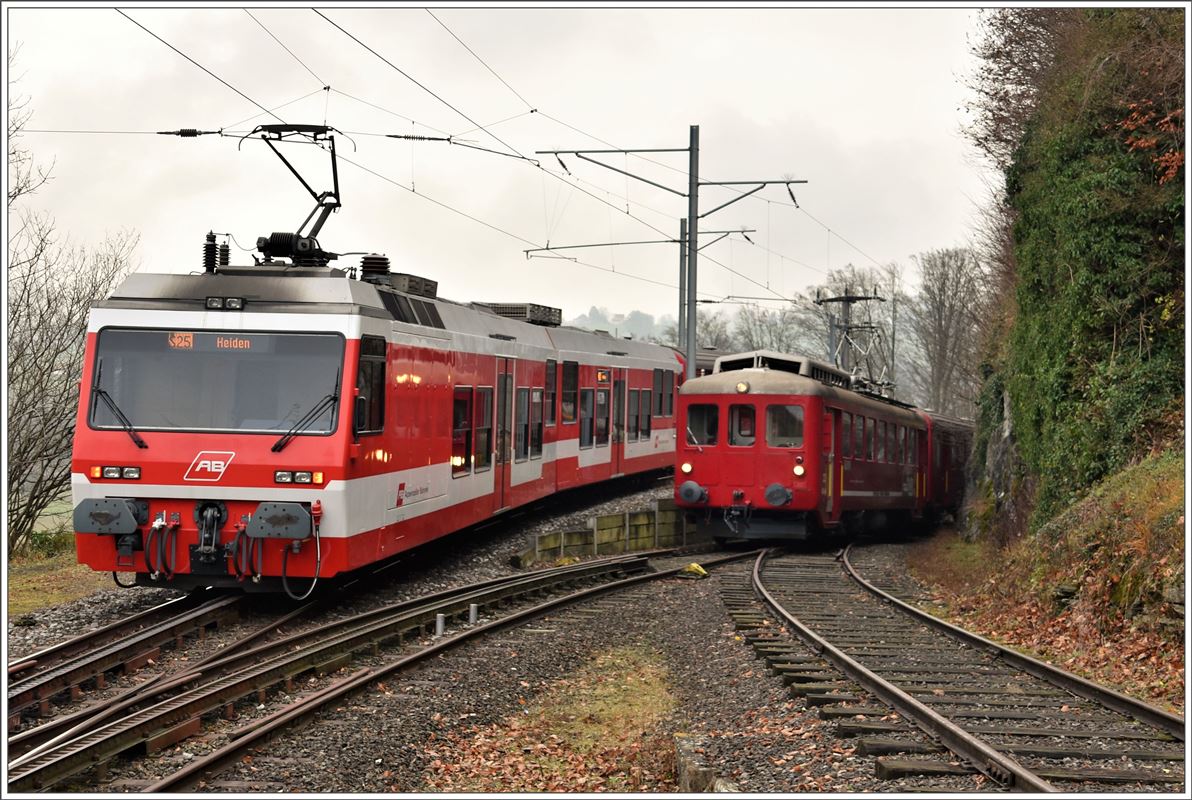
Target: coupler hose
[316,514]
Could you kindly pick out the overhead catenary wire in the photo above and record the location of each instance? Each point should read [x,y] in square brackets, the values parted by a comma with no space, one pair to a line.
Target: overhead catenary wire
[200,66]
[529,105]
[322,82]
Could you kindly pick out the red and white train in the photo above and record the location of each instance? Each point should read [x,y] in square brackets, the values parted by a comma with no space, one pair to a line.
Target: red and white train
[779,446]
[266,426]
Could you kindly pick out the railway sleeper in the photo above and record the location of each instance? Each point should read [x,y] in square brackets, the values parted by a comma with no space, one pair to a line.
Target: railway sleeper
[892,768]
[805,689]
[877,746]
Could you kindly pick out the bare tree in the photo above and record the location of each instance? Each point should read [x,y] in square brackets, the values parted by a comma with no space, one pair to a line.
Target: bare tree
[712,330]
[776,329]
[944,324]
[51,286]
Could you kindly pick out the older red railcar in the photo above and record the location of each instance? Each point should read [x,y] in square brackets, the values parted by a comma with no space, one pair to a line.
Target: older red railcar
[776,446]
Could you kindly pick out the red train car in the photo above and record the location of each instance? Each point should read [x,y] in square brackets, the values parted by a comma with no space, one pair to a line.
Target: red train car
[265,426]
[778,446]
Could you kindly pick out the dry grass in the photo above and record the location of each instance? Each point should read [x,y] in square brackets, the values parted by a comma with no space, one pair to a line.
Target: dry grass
[35,583]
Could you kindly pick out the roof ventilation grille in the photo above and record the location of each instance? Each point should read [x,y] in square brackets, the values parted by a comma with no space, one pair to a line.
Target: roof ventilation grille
[527,312]
[413,284]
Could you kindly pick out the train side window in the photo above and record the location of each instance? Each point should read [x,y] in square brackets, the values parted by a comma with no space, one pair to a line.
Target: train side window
[846,435]
[370,380]
[658,398]
[602,417]
[702,422]
[901,455]
[668,376]
[570,390]
[742,425]
[784,426]
[461,432]
[521,429]
[644,408]
[870,437]
[585,417]
[859,437]
[631,430]
[535,423]
[881,440]
[483,429]
[551,387]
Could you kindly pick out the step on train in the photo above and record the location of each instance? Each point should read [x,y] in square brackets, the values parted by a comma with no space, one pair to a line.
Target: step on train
[779,446]
[271,425]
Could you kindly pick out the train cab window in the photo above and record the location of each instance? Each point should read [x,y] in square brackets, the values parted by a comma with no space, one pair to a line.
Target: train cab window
[551,388]
[482,437]
[461,432]
[370,380]
[644,417]
[602,417]
[586,411]
[631,429]
[784,426]
[846,435]
[742,425]
[521,427]
[535,423]
[570,390]
[702,422]
[881,440]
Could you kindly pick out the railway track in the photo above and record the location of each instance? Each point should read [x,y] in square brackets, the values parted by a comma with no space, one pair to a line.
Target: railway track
[175,709]
[890,673]
[127,644]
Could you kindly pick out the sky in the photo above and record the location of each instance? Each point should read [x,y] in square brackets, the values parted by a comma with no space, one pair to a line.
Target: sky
[865,104]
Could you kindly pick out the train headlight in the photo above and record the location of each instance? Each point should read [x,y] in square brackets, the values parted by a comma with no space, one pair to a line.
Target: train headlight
[111,472]
[234,303]
[283,476]
[799,470]
[131,473]
[215,303]
[685,468]
[742,387]
[301,477]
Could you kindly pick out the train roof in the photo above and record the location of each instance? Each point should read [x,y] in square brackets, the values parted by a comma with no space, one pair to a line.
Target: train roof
[321,290]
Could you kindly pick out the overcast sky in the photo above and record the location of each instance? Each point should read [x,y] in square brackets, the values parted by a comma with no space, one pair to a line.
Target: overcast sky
[864,104]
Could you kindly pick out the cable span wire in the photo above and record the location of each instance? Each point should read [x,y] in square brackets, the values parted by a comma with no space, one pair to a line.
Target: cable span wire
[197,64]
[481,60]
[392,113]
[409,77]
[322,82]
[275,108]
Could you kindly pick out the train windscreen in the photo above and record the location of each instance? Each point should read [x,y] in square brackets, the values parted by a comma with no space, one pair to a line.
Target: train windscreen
[247,382]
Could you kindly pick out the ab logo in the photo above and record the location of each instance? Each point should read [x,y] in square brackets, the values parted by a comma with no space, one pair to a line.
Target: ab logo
[209,465]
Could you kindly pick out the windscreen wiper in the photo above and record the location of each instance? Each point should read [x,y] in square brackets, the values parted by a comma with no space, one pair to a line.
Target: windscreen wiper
[308,419]
[102,394]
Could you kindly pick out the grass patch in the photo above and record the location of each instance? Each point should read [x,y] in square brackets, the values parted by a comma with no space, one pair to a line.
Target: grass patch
[1094,590]
[37,582]
[599,730]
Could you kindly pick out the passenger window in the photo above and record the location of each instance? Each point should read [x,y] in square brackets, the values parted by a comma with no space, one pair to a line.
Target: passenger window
[644,408]
[846,436]
[870,437]
[521,430]
[631,432]
[658,393]
[461,432]
[370,380]
[881,440]
[859,437]
[570,387]
[742,419]
[551,386]
[483,429]
[702,423]
[784,426]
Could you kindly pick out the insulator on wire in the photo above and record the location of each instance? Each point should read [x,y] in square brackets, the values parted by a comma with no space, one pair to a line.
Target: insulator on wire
[225,254]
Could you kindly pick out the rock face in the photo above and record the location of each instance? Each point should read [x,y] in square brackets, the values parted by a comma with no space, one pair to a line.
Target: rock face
[1002,489]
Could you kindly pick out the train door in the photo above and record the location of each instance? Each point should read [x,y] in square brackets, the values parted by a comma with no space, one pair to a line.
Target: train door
[832,474]
[504,431]
[618,453]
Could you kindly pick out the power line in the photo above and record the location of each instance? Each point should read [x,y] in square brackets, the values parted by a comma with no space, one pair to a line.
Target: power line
[481,60]
[322,82]
[391,113]
[275,108]
[409,77]
[200,66]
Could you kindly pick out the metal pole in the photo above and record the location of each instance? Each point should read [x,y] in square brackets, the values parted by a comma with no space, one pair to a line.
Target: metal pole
[692,245]
[681,328]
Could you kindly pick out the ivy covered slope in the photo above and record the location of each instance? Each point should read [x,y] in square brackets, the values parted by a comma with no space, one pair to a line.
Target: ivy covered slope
[1088,364]
[1095,358]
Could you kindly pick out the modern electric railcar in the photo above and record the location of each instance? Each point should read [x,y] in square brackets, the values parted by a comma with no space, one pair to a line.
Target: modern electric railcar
[776,446]
[270,425]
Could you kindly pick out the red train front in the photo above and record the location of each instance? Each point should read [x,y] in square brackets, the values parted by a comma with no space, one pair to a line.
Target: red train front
[279,423]
[778,446]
